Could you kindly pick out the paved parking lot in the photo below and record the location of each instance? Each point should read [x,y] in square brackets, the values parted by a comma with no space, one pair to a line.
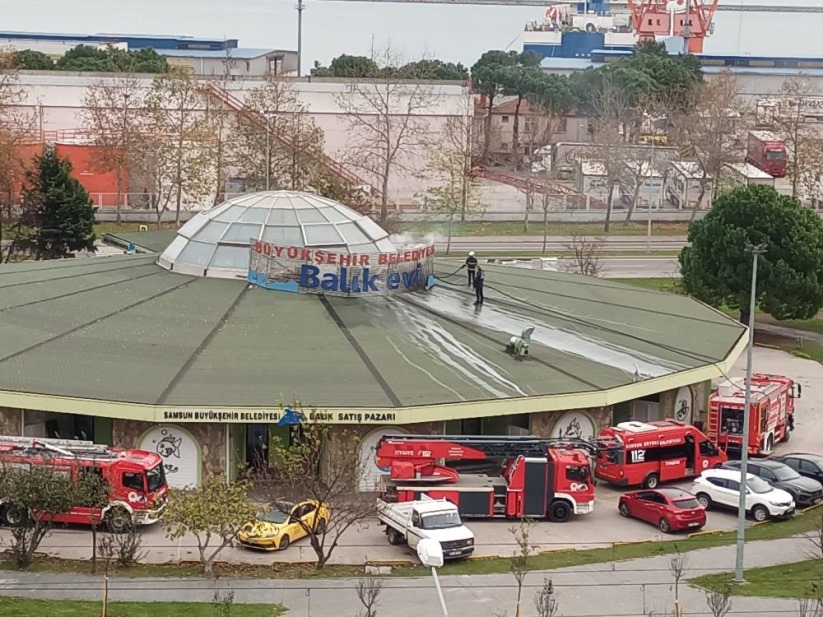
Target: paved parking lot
[602,528]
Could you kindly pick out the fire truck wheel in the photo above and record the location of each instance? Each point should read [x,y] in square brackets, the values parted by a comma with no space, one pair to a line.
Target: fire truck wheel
[559,512]
[13,516]
[651,481]
[664,526]
[704,500]
[395,537]
[118,520]
[760,513]
[770,443]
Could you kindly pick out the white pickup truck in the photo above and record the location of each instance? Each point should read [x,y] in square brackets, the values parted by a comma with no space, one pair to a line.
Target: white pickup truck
[438,519]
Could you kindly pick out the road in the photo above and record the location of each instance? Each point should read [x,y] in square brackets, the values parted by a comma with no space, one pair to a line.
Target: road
[638,267]
[636,588]
[502,244]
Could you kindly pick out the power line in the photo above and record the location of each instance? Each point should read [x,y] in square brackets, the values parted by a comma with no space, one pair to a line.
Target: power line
[545,3]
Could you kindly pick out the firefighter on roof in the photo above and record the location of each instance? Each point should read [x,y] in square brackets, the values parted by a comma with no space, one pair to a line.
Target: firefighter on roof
[471,266]
[478,286]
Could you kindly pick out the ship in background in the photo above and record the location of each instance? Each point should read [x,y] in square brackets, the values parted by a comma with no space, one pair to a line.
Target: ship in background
[736,34]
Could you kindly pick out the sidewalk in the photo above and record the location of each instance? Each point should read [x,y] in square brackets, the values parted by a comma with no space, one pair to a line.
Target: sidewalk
[624,589]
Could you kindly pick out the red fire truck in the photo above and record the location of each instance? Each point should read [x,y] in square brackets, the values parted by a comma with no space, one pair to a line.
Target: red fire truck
[137,484]
[540,478]
[647,453]
[771,413]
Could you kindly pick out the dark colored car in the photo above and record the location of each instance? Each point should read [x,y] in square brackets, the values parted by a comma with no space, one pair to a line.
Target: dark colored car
[805,491]
[807,465]
[669,509]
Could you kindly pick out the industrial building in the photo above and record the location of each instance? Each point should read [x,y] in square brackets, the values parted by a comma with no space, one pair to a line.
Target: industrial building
[200,56]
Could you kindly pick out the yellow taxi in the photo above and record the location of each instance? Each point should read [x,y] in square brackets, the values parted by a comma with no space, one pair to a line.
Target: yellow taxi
[280,525]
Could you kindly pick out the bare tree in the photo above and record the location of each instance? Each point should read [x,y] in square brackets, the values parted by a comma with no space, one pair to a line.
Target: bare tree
[387,123]
[585,255]
[453,186]
[809,607]
[719,602]
[677,566]
[815,538]
[278,145]
[16,127]
[321,465]
[714,131]
[177,141]
[811,171]
[109,113]
[791,125]
[519,562]
[544,601]
[368,592]
[638,168]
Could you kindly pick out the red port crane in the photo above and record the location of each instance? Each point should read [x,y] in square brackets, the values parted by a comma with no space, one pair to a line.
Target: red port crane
[691,19]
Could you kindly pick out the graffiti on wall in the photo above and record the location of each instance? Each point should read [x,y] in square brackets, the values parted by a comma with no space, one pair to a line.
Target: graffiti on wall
[574,425]
[180,453]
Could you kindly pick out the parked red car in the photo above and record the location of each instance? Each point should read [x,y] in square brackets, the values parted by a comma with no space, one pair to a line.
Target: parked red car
[670,509]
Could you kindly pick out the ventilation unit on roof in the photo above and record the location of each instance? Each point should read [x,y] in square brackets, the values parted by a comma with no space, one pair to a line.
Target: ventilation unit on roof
[731,387]
[635,427]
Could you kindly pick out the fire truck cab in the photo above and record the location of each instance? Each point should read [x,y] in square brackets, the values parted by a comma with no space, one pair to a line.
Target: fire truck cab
[539,478]
[648,453]
[137,486]
[771,413]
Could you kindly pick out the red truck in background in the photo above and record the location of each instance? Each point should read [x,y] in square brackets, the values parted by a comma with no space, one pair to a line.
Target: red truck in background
[767,152]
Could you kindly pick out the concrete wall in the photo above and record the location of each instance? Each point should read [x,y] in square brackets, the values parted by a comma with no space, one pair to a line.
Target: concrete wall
[56,99]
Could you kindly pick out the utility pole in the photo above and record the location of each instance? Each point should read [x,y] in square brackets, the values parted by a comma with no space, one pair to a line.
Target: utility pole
[300,8]
[755,250]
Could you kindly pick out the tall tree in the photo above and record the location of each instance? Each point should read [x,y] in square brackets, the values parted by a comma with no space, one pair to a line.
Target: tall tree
[111,60]
[453,185]
[348,66]
[434,70]
[712,130]
[717,268]
[57,212]
[385,117]
[177,142]
[277,144]
[109,114]
[489,77]
[791,126]
[30,60]
[520,81]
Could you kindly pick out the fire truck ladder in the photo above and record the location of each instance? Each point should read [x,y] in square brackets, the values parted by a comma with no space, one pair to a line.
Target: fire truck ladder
[69,448]
[500,447]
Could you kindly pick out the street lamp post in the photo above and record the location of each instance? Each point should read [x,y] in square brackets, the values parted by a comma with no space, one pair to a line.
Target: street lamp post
[755,250]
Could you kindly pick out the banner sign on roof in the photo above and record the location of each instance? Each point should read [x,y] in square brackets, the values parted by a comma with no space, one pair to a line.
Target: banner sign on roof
[321,271]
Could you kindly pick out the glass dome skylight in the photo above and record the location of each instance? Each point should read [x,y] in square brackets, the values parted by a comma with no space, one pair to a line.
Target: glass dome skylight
[215,243]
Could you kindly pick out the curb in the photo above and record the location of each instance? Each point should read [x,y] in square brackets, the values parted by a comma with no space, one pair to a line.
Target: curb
[551,551]
[698,534]
[633,543]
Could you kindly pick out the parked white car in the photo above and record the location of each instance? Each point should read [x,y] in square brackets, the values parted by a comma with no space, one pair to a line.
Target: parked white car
[721,488]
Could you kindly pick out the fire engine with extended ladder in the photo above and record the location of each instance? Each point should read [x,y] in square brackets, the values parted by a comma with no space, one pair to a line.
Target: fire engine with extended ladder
[136,482]
[771,413]
[540,478]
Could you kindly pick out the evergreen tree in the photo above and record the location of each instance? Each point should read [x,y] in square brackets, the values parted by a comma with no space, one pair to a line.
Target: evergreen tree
[58,214]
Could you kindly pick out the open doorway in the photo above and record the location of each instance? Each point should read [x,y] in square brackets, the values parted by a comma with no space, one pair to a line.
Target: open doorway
[257,445]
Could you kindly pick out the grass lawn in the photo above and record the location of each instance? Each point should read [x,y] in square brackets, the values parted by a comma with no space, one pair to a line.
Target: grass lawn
[669,284]
[792,580]
[515,228]
[19,607]
[802,523]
